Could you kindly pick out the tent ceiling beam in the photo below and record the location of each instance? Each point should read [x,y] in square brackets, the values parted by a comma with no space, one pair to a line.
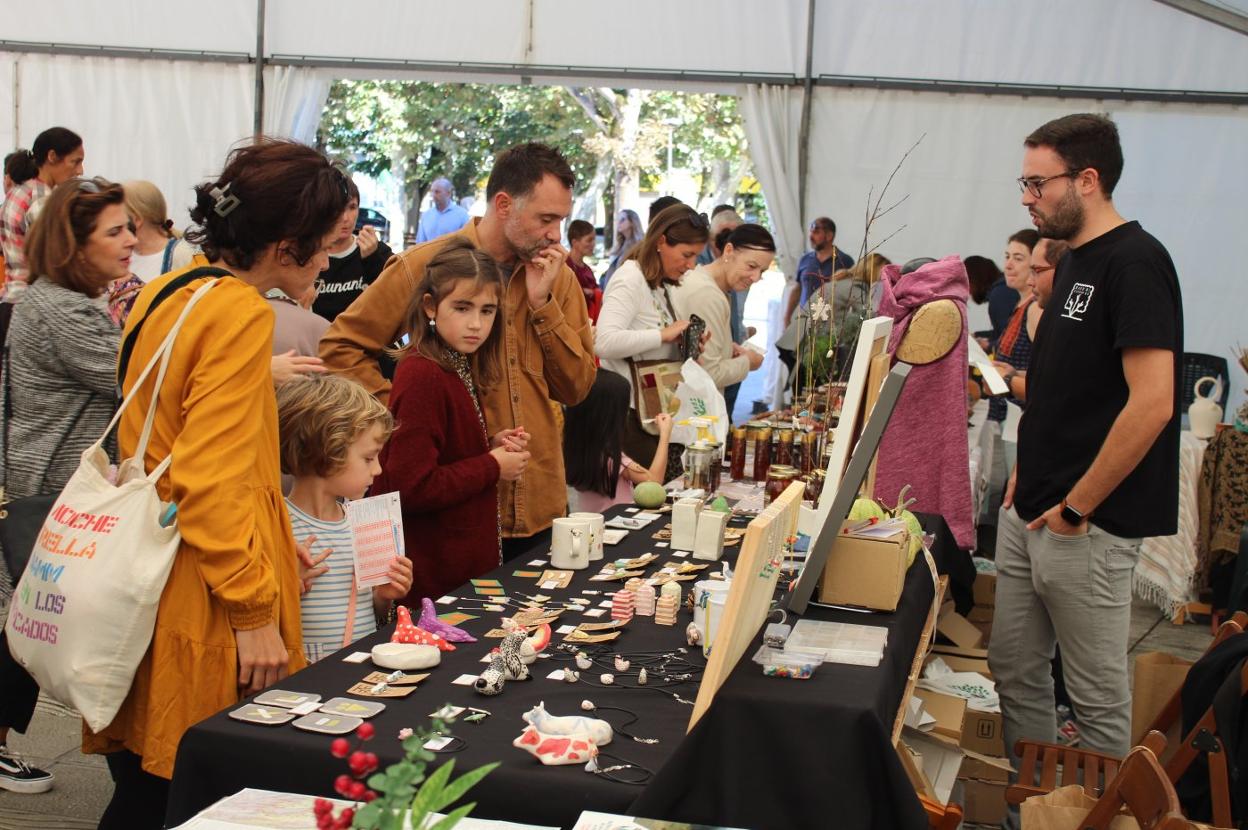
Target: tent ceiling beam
[79,50]
[1096,93]
[1212,12]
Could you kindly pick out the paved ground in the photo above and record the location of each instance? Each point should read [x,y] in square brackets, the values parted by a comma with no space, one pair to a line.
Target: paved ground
[83,786]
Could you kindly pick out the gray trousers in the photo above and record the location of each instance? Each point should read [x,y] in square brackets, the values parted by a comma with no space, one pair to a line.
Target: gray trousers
[1075,591]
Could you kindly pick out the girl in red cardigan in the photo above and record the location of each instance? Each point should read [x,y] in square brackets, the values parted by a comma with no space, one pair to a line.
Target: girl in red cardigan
[439,458]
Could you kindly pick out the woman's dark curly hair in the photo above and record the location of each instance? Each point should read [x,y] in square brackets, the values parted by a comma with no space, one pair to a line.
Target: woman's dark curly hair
[285,191]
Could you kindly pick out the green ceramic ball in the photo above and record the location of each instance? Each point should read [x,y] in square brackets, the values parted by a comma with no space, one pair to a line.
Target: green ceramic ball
[649,494]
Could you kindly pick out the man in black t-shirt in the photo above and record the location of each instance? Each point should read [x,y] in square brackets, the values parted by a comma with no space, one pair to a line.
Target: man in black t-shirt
[1098,444]
[354,262]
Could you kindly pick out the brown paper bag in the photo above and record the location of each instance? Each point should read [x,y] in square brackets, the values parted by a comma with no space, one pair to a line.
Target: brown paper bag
[1066,807]
[1157,677]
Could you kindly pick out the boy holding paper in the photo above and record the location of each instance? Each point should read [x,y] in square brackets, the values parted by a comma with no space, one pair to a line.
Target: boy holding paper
[331,434]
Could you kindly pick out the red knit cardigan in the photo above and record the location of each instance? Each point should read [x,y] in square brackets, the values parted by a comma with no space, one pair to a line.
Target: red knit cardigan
[438,461]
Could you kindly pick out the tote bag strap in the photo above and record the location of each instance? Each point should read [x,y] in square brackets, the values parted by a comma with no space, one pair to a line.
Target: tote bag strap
[161,357]
[350,628]
[166,261]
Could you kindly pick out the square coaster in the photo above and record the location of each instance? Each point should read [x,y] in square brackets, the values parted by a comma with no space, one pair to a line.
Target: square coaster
[327,724]
[284,699]
[267,715]
[351,708]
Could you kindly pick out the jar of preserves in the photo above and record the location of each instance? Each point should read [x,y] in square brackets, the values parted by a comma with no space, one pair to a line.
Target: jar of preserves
[784,447]
[698,460]
[779,477]
[762,453]
[739,441]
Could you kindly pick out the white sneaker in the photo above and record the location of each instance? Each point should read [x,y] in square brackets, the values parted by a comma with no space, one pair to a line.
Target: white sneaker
[20,777]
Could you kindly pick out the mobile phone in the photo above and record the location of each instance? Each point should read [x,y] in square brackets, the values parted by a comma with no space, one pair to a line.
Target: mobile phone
[691,339]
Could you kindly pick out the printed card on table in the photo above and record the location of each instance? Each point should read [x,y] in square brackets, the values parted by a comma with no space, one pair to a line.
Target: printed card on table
[377,532]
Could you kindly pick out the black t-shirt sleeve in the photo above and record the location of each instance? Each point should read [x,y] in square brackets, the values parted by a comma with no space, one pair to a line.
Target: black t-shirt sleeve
[376,262]
[1144,306]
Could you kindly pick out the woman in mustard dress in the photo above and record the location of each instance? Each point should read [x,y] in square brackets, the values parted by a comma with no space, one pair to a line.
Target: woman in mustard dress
[228,621]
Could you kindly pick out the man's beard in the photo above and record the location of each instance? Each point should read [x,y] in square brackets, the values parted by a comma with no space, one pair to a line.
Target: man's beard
[1066,220]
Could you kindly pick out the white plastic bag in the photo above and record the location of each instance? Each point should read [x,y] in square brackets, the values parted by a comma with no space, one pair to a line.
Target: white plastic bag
[698,398]
[83,612]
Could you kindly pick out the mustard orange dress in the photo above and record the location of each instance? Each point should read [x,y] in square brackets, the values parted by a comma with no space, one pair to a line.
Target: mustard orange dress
[236,567]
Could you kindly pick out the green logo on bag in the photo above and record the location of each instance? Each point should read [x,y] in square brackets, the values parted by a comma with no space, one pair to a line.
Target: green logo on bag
[25,595]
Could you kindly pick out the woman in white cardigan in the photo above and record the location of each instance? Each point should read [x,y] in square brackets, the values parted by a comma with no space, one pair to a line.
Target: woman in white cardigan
[748,251]
[638,320]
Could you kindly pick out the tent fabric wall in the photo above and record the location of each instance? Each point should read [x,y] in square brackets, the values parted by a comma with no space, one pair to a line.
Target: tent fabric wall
[1180,180]
[170,122]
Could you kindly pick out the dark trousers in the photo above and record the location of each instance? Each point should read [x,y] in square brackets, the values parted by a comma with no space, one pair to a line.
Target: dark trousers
[139,798]
[18,691]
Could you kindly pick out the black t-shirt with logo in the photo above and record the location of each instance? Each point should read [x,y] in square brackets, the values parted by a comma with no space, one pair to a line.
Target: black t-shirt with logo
[346,278]
[1115,292]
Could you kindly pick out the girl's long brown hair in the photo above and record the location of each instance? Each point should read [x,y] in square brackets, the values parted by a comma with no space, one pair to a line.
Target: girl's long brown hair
[458,260]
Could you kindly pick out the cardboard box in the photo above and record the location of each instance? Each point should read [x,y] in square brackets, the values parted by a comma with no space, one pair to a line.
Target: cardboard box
[868,573]
[981,614]
[977,665]
[982,733]
[1157,677]
[930,764]
[948,711]
[983,802]
[960,630]
[985,590]
[985,768]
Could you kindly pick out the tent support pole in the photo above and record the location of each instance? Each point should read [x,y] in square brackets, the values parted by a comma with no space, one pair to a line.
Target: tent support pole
[803,138]
[259,122]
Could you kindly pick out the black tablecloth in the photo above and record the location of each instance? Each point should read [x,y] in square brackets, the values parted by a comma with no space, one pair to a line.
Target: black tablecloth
[770,753]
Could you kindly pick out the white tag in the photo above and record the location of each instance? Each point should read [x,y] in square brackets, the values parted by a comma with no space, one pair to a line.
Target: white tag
[357,657]
[607,603]
[447,600]
[434,744]
[667,570]
[595,612]
[594,593]
[631,509]
[306,708]
[565,629]
[447,712]
[680,553]
[557,674]
[536,562]
[485,658]
[464,680]
[660,544]
[550,585]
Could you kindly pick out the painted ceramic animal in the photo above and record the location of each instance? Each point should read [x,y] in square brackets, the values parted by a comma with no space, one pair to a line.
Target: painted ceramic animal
[405,631]
[535,642]
[429,622]
[506,663]
[554,750]
[598,730]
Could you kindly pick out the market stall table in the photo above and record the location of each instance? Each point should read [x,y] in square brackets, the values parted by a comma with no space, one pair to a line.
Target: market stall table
[771,752]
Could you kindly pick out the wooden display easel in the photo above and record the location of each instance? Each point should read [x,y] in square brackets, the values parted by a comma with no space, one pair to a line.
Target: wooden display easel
[749,598]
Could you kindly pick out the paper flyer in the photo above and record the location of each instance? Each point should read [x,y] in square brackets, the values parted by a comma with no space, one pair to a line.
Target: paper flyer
[377,536]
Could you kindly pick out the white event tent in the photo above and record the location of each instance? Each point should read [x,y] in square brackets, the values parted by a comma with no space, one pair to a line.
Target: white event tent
[833,93]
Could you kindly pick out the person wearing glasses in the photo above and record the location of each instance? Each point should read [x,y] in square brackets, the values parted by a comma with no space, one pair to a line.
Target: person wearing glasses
[1044,259]
[1098,444]
[817,265]
[638,320]
[57,397]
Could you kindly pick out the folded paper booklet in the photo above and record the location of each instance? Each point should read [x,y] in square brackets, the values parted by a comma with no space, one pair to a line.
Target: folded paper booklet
[377,537]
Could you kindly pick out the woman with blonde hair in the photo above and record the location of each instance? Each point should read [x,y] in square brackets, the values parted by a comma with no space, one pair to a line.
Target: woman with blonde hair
[628,235]
[157,237]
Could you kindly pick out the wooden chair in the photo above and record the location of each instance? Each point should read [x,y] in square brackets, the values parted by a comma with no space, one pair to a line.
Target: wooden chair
[1142,787]
[941,816]
[1039,761]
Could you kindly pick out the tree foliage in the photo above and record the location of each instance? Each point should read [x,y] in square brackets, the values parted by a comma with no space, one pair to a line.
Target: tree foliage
[615,139]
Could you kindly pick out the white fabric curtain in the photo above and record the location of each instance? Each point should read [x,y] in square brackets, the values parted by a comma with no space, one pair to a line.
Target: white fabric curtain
[294,98]
[772,119]
[169,122]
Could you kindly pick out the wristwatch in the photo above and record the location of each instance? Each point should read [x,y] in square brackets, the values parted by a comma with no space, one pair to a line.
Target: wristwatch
[1009,381]
[1071,516]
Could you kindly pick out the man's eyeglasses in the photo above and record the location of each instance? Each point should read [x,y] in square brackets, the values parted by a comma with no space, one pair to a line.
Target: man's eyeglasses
[1041,270]
[1035,186]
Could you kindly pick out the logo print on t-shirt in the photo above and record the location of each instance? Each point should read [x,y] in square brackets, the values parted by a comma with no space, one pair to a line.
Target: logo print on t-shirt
[1078,300]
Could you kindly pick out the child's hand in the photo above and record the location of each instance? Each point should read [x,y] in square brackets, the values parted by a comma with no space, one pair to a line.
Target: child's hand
[664,422]
[511,463]
[400,574]
[288,365]
[310,565]
[515,440]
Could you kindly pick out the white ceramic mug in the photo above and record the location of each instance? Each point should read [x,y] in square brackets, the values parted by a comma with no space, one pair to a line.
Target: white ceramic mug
[569,544]
[703,591]
[597,525]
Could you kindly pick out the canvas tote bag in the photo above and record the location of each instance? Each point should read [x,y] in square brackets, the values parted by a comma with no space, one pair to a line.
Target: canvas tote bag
[83,612]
